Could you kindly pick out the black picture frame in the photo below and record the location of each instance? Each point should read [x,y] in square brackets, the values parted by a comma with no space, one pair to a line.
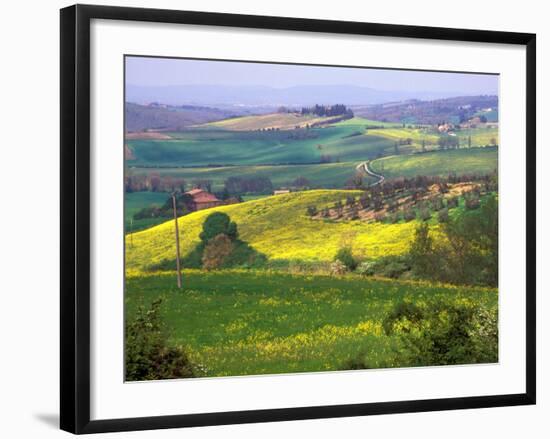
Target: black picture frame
[75,217]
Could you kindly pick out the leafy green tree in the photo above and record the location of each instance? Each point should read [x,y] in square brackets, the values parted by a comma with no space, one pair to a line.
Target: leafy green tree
[345,256]
[422,251]
[218,223]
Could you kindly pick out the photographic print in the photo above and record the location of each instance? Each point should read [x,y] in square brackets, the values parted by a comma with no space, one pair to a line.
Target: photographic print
[288,218]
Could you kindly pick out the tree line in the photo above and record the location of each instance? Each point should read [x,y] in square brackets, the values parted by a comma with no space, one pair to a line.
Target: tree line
[327,110]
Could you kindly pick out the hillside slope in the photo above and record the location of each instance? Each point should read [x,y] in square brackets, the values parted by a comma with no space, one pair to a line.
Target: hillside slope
[442,163]
[278,227]
[157,117]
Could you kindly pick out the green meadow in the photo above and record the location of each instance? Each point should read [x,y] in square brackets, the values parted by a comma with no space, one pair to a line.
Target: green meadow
[246,322]
[442,163]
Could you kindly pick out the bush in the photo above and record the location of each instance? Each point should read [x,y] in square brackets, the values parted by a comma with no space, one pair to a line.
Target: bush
[444,333]
[365,268]
[345,256]
[394,269]
[337,268]
[471,202]
[437,203]
[311,211]
[147,354]
[443,215]
[409,215]
[424,214]
[394,218]
[452,202]
[216,252]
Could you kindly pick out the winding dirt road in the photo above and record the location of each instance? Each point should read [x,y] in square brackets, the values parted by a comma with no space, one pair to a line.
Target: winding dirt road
[364,167]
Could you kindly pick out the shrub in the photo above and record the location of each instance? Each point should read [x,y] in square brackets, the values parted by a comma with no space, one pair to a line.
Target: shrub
[452,202]
[345,256]
[365,268]
[216,252]
[437,203]
[354,213]
[443,215]
[394,269]
[471,202]
[337,268]
[364,201]
[424,214]
[443,333]
[147,354]
[409,215]
[311,211]
[394,217]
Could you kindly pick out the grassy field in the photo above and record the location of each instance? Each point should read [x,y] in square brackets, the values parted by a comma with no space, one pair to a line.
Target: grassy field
[479,136]
[283,121]
[326,175]
[400,133]
[459,161]
[297,238]
[134,202]
[241,323]
[204,147]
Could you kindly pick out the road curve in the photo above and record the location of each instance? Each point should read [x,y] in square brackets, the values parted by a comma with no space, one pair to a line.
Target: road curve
[364,167]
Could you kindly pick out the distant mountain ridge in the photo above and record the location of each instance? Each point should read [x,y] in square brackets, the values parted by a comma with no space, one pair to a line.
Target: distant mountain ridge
[225,95]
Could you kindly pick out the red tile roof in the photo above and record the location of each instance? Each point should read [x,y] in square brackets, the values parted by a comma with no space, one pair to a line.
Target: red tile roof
[200,196]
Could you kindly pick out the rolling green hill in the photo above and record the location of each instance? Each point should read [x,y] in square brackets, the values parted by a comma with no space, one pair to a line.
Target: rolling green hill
[278,227]
[203,147]
[443,163]
[326,175]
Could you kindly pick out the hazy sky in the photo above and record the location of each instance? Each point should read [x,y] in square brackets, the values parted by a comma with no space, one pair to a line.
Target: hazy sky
[165,71]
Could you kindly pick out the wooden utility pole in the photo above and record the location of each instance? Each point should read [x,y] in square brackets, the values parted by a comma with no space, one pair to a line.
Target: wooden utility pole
[178,267]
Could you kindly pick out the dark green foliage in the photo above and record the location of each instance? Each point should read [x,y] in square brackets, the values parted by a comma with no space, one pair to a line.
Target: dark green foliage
[311,211]
[249,185]
[471,201]
[444,333]
[183,203]
[394,217]
[443,215]
[437,203]
[467,253]
[422,252]
[147,353]
[364,200]
[388,266]
[409,215]
[424,214]
[452,202]
[345,256]
[218,223]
